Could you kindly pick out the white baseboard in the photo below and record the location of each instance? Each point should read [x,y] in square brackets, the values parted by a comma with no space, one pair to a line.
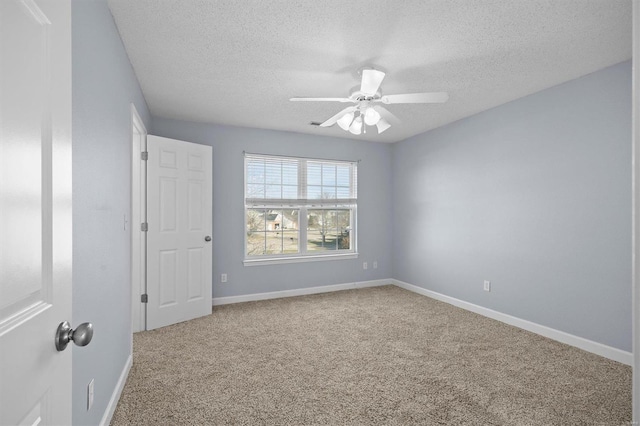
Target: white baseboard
[115,396]
[298,292]
[615,354]
[560,336]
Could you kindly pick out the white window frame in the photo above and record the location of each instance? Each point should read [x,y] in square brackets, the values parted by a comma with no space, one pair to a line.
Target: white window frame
[303,206]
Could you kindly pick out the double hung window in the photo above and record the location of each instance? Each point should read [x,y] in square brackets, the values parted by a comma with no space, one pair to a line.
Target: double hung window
[299,208]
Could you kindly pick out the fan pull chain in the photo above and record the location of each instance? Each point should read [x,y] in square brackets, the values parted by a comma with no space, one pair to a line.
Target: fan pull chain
[364,125]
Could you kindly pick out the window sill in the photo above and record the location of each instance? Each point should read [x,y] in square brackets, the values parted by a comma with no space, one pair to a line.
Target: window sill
[299,259]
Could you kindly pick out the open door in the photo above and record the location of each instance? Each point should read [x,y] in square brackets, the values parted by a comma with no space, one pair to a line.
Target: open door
[179,247]
[35,210]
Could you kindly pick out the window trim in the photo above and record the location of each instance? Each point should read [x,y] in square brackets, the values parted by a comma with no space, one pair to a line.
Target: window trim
[298,259]
[303,206]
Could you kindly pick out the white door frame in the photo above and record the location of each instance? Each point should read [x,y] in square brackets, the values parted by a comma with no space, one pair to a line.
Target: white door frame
[138,216]
[636,211]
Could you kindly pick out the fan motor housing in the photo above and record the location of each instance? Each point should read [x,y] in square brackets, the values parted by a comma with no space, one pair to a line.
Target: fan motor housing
[359,96]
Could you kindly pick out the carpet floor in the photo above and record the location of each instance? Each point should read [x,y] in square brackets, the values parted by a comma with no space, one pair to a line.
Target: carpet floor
[379,355]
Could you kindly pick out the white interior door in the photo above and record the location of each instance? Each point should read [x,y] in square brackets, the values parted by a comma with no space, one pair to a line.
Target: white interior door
[35,210]
[179,248]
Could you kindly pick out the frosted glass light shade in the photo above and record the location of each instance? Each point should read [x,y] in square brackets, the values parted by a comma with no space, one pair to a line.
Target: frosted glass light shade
[356,126]
[345,121]
[371,117]
[382,125]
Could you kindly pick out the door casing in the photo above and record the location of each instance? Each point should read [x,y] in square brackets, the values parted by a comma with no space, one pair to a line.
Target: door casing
[138,215]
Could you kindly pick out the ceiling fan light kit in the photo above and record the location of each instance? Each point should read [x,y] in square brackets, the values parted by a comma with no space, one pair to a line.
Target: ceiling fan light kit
[382,125]
[355,119]
[356,126]
[371,116]
[345,121]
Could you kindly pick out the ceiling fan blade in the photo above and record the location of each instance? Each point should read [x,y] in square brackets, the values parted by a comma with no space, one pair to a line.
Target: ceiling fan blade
[321,100]
[416,98]
[387,115]
[371,80]
[338,116]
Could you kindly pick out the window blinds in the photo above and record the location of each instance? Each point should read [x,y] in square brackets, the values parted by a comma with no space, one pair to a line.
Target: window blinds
[291,181]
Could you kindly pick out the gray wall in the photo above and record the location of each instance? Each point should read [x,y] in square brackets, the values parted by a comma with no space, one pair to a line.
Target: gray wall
[104,85]
[535,196]
[374,207]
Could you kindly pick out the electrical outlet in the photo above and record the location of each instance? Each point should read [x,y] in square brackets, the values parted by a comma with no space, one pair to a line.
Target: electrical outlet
[223,278]
[90,395]
[487,285]
[375,264]
[365,265]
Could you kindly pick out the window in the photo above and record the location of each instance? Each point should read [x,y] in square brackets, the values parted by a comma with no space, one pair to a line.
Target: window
[299,209]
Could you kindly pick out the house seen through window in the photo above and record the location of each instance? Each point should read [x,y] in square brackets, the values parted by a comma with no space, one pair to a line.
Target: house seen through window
[299,207]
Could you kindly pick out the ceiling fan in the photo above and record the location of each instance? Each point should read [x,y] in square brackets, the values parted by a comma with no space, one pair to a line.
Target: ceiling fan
[367,111]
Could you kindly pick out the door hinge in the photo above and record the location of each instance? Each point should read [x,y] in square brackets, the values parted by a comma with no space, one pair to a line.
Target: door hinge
[144,155]
[144,298]
[144,227]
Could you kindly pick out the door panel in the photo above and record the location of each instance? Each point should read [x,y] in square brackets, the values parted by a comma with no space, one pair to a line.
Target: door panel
[37,414]
[35,210]
[24,138]
[195,260]
[168,277]
[179,215]
[168,204]
[194,204]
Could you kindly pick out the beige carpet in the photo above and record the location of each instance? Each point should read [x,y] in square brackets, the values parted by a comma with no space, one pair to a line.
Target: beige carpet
[372,356]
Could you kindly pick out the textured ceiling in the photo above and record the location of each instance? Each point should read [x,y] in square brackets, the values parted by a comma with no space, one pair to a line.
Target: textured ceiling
[238,62]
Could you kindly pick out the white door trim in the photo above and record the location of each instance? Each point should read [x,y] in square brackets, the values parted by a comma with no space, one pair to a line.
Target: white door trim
[138,215]
[636,211]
